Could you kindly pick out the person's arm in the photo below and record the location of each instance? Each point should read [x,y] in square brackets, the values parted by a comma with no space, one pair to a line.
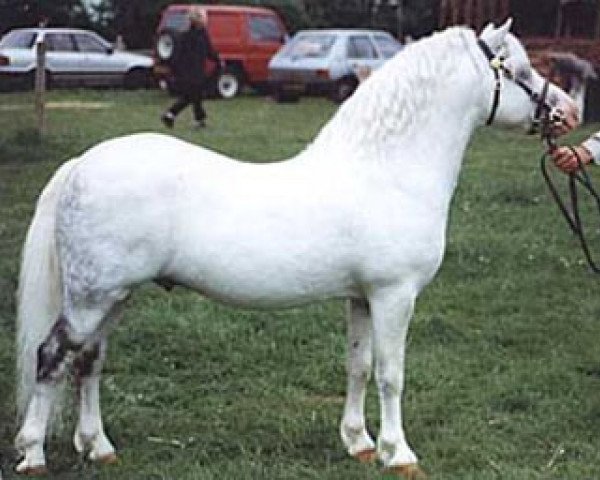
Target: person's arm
[568,158]
[210,51]
[592,145]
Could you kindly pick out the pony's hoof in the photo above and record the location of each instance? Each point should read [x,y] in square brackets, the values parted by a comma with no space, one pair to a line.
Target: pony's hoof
[366,456]
[409,471]
[33,471]
[108,459]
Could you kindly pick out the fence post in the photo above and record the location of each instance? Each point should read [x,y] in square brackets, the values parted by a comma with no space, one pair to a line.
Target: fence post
[40,86]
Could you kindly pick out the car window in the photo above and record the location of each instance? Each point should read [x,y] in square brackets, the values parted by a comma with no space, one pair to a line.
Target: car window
[176,20]
[388,47]
[265,28]
[313,45]
[360,47]
[89,43]
[18,39]
[59,42]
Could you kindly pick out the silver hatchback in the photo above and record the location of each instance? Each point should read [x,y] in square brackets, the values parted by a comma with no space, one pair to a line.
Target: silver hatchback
[329,61]
[74,58]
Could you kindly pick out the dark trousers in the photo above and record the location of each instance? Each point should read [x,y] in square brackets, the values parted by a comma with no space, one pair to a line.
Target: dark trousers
[189,93]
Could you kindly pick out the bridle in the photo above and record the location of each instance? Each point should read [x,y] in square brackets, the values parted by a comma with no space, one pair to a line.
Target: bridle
[544,112]
[545,118]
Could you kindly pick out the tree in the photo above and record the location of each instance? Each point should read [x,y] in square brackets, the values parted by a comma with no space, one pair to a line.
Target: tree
[19,13]
[134,20]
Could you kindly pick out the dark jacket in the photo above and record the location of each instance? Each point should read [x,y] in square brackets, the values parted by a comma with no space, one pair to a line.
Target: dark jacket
[190,58]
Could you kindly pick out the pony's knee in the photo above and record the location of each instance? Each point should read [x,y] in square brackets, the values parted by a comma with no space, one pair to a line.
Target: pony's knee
[52,353]
[360,369]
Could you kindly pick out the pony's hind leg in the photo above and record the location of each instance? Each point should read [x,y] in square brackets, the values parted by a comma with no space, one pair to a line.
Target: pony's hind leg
[358,365]
[79,327]
[89,434]
[52,357]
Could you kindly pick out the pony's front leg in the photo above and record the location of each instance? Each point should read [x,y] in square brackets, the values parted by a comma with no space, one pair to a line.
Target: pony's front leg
[359,364]
[391,309]
[89,434]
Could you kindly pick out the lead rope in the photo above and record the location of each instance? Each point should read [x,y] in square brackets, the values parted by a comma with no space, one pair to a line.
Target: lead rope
[580,177]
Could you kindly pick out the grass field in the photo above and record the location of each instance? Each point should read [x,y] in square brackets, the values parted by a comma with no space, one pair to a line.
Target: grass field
[503,367]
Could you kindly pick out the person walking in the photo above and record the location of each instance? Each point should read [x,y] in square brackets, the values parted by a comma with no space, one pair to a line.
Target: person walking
[189,69]
[588,152]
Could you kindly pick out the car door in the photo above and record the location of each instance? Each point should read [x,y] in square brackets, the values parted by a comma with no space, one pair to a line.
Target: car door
[362,55]
[62,59]
[101,66]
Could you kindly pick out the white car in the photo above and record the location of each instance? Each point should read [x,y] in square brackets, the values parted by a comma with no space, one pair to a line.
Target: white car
[73,58]
[329,61]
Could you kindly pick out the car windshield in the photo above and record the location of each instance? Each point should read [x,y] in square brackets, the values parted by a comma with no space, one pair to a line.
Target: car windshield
[18,39]
[309,45]
[265,29]
[388,47]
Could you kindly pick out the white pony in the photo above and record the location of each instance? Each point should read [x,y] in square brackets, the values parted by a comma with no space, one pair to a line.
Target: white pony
[360,214]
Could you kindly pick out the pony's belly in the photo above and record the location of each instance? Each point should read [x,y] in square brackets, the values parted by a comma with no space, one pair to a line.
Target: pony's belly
[264,285]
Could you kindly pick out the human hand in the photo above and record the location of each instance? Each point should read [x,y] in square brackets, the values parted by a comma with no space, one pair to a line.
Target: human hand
[566,159]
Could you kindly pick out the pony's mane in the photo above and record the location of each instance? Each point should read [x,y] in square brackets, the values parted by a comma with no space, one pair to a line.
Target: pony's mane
[397,96]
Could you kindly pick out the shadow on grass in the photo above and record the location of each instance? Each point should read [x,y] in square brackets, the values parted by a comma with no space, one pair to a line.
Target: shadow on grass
[27,145]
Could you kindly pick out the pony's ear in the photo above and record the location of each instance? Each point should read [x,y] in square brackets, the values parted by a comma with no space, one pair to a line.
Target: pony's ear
[487,30]
[505,28]
[495,36]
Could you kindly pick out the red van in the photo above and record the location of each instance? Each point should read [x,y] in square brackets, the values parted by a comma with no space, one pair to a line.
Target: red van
[245,37]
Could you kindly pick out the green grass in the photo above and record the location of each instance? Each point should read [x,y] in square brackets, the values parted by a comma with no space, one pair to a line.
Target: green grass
[503,367]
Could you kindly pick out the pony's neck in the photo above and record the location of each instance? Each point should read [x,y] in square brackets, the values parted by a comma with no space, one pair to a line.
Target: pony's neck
[414,117]
[398,99]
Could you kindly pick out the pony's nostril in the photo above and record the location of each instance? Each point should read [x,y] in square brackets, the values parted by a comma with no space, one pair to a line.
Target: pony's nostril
[557,116]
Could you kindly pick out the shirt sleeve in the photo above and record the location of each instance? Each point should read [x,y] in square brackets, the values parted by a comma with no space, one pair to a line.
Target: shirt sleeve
[593,145]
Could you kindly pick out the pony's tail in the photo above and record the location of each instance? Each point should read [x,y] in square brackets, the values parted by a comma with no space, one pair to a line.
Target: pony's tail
[39,296]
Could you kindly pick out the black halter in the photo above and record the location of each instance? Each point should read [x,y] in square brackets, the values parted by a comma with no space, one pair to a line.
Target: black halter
[543,109]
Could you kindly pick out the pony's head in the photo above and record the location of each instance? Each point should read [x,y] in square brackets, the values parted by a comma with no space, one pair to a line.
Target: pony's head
[519,94]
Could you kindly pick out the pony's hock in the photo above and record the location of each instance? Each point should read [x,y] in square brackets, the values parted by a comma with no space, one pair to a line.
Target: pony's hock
[375,184]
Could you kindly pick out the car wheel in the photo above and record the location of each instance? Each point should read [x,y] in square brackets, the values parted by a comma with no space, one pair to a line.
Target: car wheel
[137,78]
[229,82]
[343,89]
[28,81]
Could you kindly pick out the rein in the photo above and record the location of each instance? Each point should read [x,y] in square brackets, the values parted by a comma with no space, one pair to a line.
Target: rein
[571,212]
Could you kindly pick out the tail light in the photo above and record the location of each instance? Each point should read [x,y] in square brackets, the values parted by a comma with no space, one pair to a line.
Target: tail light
[4,61]
[323,73]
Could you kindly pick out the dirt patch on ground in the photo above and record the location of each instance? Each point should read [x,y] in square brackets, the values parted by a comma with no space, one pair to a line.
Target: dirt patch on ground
[67,105]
